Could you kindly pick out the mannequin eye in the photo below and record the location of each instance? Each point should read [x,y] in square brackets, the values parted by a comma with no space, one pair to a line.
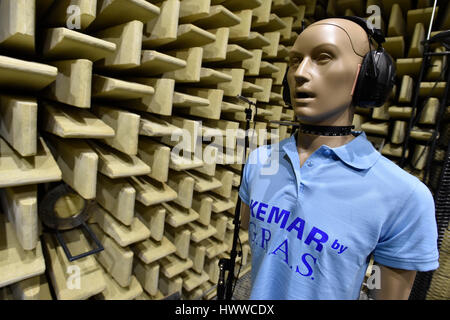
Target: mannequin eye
[324,58]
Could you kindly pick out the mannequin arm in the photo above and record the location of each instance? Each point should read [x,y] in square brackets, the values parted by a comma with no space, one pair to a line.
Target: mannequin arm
[245,215]
[396,284]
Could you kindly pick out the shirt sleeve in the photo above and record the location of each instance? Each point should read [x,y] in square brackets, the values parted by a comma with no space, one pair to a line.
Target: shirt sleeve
[409,239]
[244,191]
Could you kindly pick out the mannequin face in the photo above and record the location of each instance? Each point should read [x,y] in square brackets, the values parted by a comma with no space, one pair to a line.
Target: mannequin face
[323,68]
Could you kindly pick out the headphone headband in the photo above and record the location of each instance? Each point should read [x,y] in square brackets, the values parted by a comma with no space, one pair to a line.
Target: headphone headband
[373,33]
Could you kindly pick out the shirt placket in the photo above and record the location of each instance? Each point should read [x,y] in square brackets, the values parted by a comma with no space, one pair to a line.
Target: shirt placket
[306,171]
[292,154]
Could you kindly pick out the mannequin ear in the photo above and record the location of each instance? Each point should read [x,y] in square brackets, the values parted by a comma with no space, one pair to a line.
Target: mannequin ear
[356,79]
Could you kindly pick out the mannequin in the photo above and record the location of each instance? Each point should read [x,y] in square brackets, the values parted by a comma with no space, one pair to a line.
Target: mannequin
[324,64]
[307,70]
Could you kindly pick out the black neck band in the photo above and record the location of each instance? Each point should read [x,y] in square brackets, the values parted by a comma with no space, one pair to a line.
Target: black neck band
[326,130]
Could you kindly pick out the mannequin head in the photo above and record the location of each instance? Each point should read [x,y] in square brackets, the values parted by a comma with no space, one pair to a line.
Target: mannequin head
[324,65]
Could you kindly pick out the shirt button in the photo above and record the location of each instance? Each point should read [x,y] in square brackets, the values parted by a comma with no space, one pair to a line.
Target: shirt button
[327,152]
[309,163]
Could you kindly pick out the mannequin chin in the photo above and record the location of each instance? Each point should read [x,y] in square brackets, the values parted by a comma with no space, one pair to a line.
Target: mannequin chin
[324,64]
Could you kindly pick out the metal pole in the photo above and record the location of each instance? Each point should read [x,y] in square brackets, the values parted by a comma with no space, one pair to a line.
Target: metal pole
[437,129]
[225,287]
[432,18]
[414,115]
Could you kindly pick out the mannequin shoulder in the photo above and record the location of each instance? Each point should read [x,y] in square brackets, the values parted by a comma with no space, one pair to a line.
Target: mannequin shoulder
[391,175]
[268,152]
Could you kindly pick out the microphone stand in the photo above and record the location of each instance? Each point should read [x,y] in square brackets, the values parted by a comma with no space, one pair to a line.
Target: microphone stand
[225,289]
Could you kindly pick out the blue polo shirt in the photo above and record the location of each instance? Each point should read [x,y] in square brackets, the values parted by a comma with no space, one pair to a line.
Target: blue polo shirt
[313,228]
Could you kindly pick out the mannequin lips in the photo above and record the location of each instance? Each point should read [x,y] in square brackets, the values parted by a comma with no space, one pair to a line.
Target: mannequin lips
[302,96]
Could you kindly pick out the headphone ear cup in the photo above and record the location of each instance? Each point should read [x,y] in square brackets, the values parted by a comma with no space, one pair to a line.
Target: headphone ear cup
[361,83]
[386,78]
[286,90]
[372,91]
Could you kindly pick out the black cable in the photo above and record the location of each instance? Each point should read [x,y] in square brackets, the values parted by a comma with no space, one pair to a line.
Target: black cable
[239,239]
[441,75]
[254,123]
[426,63]
[236,278]
[417,116]
[226,286]
[421,154]
[435,132]
[254,119]
[239,271]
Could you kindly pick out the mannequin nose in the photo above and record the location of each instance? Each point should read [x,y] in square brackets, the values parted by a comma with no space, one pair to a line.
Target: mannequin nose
[302,73]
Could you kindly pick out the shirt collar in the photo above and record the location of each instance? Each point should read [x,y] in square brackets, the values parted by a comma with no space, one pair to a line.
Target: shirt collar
[358,153]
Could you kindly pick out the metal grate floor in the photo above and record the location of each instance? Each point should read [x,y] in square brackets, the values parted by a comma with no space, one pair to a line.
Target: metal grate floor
[243,287]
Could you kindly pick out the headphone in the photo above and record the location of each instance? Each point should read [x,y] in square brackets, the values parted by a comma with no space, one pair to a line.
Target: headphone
[376,77]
